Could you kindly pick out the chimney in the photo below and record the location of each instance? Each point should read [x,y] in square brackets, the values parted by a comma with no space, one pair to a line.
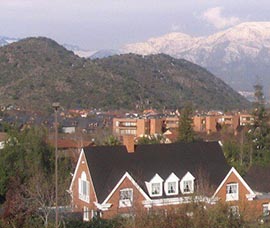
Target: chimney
[128,141]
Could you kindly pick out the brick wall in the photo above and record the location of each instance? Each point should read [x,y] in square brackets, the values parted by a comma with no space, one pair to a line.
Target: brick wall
[77,203]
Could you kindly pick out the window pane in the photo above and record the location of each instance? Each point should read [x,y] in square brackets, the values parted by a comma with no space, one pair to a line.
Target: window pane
[156,188]
[187,186]
[126,194]
[171,187]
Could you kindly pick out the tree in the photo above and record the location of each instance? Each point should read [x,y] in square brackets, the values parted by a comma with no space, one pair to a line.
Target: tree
[259,133]
[151,139]
[112,141]
[186,132]
[27,161]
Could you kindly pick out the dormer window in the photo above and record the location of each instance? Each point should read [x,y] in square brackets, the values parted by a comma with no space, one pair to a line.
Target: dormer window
[171,185]
[187,184]
[154,186]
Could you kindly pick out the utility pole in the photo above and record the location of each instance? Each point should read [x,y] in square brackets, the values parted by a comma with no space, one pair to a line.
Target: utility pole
[56,106]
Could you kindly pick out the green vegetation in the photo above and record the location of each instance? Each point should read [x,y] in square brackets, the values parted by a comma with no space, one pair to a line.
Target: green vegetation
[27,179]
[112,141]
[194,215]
[38,71]
[186,132]
[253,144]
[151,139]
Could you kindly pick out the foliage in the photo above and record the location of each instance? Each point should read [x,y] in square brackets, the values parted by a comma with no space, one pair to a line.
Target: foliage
[24,154]
[151,139]
[112,141]
[39,71]
[95,223]
[259,133]
[27,168]
[186,132]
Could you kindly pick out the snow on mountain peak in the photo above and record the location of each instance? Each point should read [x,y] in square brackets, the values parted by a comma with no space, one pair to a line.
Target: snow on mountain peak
[239,46]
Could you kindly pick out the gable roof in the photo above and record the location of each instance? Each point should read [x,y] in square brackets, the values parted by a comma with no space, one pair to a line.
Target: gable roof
[258,177]
[234,171]
[109,163]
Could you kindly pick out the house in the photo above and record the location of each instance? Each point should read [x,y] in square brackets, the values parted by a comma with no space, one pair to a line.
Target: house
[111,180]
[250,195]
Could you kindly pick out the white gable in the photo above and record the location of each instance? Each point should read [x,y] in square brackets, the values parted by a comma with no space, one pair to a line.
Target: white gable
[188,176]
[156,179]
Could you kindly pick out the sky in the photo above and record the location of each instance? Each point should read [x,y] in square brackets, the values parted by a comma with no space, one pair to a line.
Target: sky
[109,24]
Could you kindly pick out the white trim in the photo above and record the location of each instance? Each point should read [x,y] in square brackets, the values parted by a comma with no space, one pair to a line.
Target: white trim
[103,207]
[186,178]
[155,180]
[85,213]
[126,175]
[76,170]
[233,170]
[171,179]
[235,195]
[175,201]
[91,183]
[126,202]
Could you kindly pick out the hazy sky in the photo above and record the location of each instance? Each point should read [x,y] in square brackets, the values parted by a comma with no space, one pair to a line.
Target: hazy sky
[103,24]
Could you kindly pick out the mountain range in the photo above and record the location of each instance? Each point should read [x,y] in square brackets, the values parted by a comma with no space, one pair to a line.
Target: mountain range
[6,40]
[239,55]
[35,72]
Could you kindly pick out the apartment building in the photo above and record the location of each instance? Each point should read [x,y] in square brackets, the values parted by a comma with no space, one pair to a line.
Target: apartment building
[139,127]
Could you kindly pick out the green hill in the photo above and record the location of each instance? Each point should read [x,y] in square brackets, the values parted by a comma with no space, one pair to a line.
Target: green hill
[35,72]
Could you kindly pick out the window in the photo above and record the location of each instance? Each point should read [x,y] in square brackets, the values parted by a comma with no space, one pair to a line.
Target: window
[126,197]
[187,184]
[266,209]
[85,214]
[232,192]
[171,187]
[234,210]
[83,188]
[188,188]
[156,188]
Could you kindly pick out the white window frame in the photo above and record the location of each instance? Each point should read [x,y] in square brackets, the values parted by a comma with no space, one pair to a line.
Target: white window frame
[188,186]
[158,181]
[234,210]
[85,213]
[172,179]
[266,209]
[188,178]
[126,202]
[157,185]
[232,196]
[84,188]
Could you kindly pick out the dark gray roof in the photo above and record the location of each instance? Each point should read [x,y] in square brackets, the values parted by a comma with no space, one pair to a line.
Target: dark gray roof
[258,178]
[108,164]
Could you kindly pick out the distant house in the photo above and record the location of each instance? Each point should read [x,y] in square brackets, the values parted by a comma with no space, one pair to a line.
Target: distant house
[125,179]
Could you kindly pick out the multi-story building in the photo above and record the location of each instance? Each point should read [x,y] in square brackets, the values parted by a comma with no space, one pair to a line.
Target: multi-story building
[204,123]
[139,127]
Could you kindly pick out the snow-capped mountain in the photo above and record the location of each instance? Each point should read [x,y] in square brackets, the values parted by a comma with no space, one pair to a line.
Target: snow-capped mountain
[6,40]
[239,55]
[79,51]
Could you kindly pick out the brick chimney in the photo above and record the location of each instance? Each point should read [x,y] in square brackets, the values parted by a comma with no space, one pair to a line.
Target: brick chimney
[128,141]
